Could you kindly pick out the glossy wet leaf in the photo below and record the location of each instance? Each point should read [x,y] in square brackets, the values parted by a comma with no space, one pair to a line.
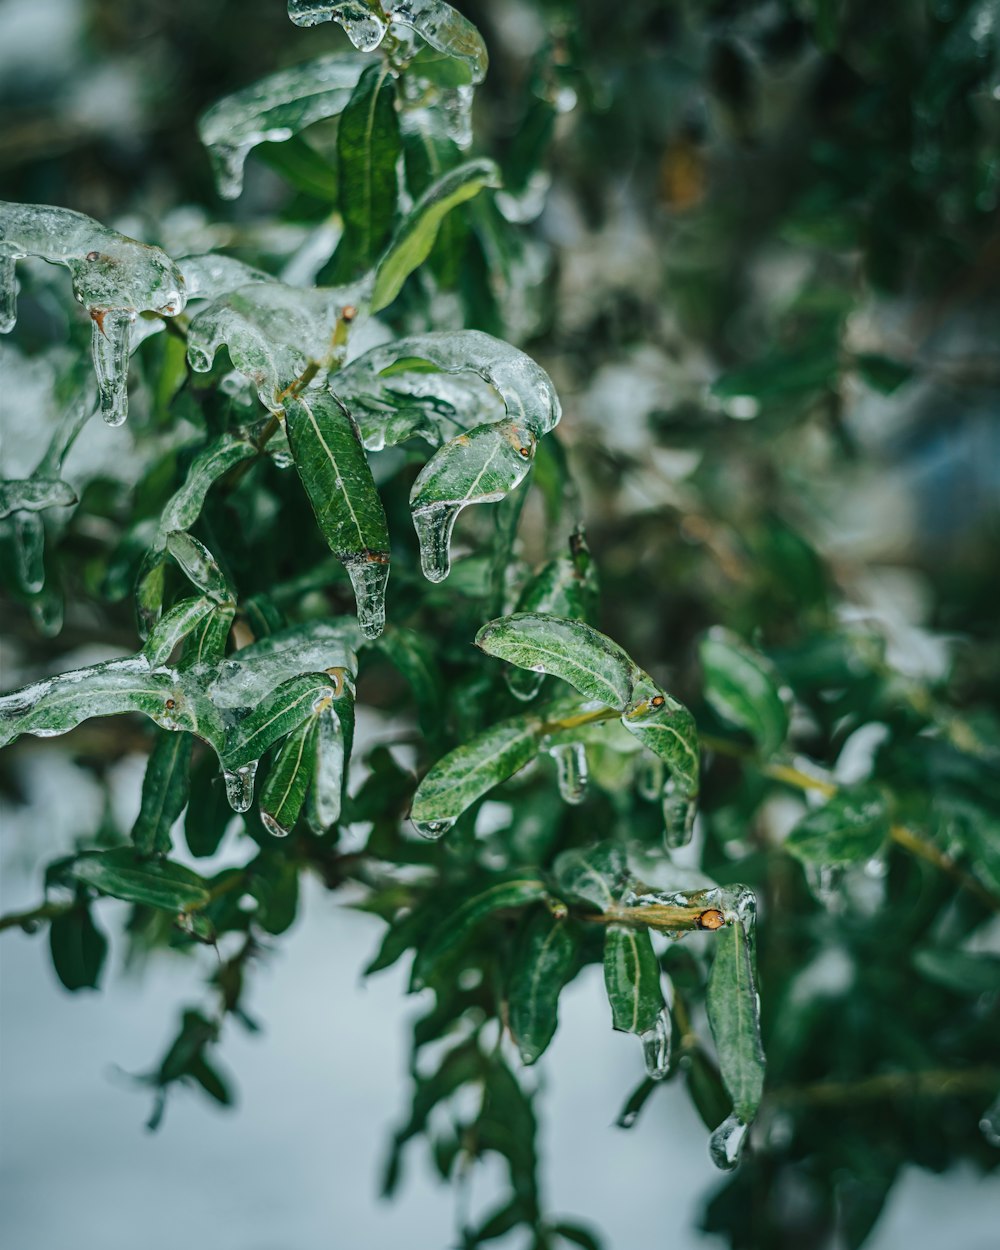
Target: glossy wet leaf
[200,566]
[316,646]
[734,1017]
[744,689]
[632,979]
[208,812]
[182,620]
[666,728]
[595,875]
[276,715]
[472,770]
[413,240]
[507,894]
[850,827]
[571,650]
[150,882]
[78,949]
[333,466]
[543,962]
[289,778]
[165,790]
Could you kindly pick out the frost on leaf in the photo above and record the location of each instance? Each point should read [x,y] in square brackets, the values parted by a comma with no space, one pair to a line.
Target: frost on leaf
[114,277]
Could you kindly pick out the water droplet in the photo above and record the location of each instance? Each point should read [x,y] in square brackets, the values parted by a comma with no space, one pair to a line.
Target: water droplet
[824,882]
[432,828]
[363,27]
[434,526]
[726,1143]
[522,683]
[989,1125]
[110,343]
[649,778]
[239,786]
[656,1046]
[571,770]
[369,574]
[271,825]
[8,294]
[679,811]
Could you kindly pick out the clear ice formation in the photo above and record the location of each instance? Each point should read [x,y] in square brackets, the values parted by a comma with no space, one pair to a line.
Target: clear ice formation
[272,111]
[114,277]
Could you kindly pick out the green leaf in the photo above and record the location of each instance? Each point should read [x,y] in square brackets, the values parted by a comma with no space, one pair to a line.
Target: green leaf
[151,883]
[962,971]
[733,1015]
[571,650]
[207,642]
[208,811]
[164,793]
[506,894]
[471,770]
[594,875]
[289,777]
[182,619]
[200,566]
[415,237]
[281,711]
[666,728]
[78,949]
[852,826]
[448,32]
[368,148]
[274,109]
[302,167]
[334,469]
[543,962]
[275,885]
[33,494]
[412,656]
[632,979]
[744,689]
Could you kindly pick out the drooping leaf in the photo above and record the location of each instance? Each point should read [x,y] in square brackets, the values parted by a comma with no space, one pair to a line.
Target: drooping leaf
[743,687]
[632,979]
[276,715]
[284,791]
[208,812]
[471,770]
[327,646]
[666,728]
[507,893]
[413,240]
[78,948]
[165,789]
[852,826]
[152,883]
[542,964]
[200,566]
[182,620]
[334,469]
[733,1014]
[965,972]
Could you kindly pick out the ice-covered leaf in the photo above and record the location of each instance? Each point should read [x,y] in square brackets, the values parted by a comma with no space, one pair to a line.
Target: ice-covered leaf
[274,109]
[320,647]
[277,714]
[412,242]
[200,566]
[363,20]
[632,979]
[334,469]
[368,149]
[482,466]
[113,276]
[571,650]
[525,388]
[852,826]
[668,729]
[734,1017]
[543,961]
[333,743]
[78,948]
[595,875]
[470,771]
[182,619]
[207,275]
[288,780]
[507,893]
[412,656]
[34,494]
[164,793]
[743,687]
[273,333]
[148,882]
[566,586]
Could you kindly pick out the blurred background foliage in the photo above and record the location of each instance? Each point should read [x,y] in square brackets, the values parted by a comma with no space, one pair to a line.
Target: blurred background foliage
[757,250]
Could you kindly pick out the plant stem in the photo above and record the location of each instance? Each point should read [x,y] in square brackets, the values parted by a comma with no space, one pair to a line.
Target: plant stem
[933,1083]
[33,915]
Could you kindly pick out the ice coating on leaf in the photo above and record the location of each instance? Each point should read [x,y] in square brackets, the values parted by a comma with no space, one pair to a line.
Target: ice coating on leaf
[34,494]
[208,275]
[330,767]
[525,388]
[668,729]
[656,1046]
[200,566]
[679,812]
[482,466]
[364,23]
[726,1144]
[571,771]
[273,110]
[313,647]
[284,792]
[273,332]
[113,276]
[180,621]
[446,30]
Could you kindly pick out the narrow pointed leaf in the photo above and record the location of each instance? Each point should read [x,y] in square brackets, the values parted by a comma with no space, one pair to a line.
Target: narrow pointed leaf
[415,237]
[78,949]
[200,566]
[182,619]
[152,883]
[594,875]
[632,979]
[666,728]
[288,780]
[334,469]
[283,710]
[208,812]
[164,793]
[733,1014]
[542,964]
[852,826]
[744,689]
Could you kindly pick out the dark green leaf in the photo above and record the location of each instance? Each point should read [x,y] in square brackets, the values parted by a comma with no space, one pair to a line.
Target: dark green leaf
[78,949]
[851,826]
[632,979]
[733,1014]
[542,965]
[153,883]
[164,792]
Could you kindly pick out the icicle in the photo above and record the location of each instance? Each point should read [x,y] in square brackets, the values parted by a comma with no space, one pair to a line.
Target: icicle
[369,578]
[269,823]
[8,294]
[434,526]
[110,341]
[433,829]
[989,1125]
[29,551]
[571,769]
[656,1046]
[239,786]
[364,27]
[727,1142]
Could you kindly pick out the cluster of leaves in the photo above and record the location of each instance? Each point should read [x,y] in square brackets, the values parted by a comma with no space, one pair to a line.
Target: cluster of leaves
[848,797]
